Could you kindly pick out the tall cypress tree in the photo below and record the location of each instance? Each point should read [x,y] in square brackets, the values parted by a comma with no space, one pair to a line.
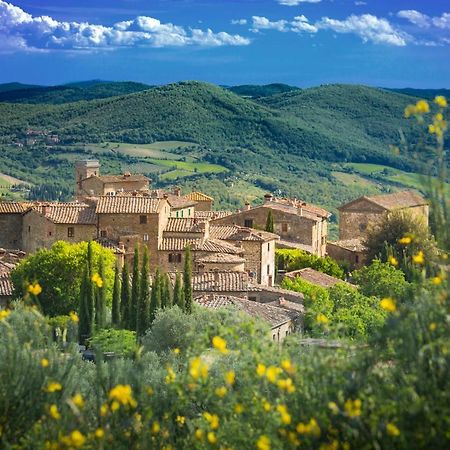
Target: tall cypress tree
[84,324]
[90,293]
[135,290]
[125,298]
[178,294]
[166,300]
[144,297]
[269,222]
[187,280]
[100,297]
[115,313]
[155,301]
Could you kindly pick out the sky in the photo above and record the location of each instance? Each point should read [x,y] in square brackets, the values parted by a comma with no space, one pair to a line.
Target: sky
[388,43]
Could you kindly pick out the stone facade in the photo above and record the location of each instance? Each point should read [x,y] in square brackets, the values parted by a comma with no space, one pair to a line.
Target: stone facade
[11,230]
[350,252]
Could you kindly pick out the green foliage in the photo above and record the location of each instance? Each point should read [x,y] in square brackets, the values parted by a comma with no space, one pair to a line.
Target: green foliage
[178,292]
[266,90]
[166,296]
[143,313]
[100,298]
[116,305]
[59,271]
[187,280]
[125,298]
[121,342]
[290,260]
[382,280]
[155,299]
[135,288]
[269,222]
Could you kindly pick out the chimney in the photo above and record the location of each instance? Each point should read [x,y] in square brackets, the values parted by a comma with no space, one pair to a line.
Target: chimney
[247,206]
[45,209]
[177,191]
[165,196]
[201,269]
[268,198]
[127,174]
[134,193]
[204,227]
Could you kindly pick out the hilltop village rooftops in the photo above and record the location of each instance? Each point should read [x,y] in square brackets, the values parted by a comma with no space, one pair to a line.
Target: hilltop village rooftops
[237,233]
[128,204]
[314,277]
[353,245]
[294,205]
[14,207]
[211,215]
[220,258]
[204,245]
[67,213]
[185,225]
[396,200]
[199,197]
[273,315]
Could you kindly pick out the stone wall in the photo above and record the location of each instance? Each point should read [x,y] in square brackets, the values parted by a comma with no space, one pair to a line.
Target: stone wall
[11,231]
[355,259]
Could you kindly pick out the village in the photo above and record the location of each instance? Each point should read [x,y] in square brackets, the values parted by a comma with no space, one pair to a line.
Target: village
[233,254]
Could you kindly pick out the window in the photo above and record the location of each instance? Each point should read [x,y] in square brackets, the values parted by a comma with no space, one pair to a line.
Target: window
[70,232]
[145,237]
[248,223]
[49,233]
[362,226]
[29,228]
[102,233]
[356,259]
[268,269]
[142,219]
[177,214]
[268,247]
[189,212]
[175,257]
[284,227]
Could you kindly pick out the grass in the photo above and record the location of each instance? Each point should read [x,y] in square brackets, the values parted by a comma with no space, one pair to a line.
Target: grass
[350,179]
[193,167]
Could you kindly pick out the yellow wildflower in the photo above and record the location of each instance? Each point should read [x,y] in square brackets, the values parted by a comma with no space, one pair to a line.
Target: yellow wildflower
[115,405]
[149,390]
[77,438]
[441,101]
[123,394]
[213,420]
[99,433]
[422,107]
[176,351]
[285,416]
[432,326]
[393,261]
[353,407]
[418,258]
[392,430]
[74,316]
[54,412]
[44,362]
[198,434]
[238,408]
[286,384]
[436,280]
[405,240]
[53,386]
[198,369]
[272,373]
[103,410]
[171,375]
[287,366]
[221,391]
[96,278]
[388,304]
[267,406]
[263,443]
[78,401]
[181,420]
[156,427]
[4,313]
[334,407]
[220,344]
[34,289]
[260,370]
[212,439]
[410,110]
[321,318]
[230,377]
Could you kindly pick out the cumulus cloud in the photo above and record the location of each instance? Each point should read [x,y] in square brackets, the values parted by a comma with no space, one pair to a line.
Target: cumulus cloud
[415,17]
[442,22]
[239,22]
[262,23]
[296,2]
[19,28]
[300,24]
[368,28]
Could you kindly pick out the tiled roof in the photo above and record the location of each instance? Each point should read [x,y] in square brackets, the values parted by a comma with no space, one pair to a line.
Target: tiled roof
[13,207]
[398,200]
[67,213]
[283,243]
[271,314]
[127,204]
[180,225]
[199,197]
[286,304]
[221,282]
[354,245]
[207,245]
[212,215]
[314,277]
[298,204]
[237,233]
[221,258]
[302,212]
[6,288]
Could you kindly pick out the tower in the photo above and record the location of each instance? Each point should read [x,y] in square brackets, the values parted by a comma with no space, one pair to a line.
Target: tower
[84,169]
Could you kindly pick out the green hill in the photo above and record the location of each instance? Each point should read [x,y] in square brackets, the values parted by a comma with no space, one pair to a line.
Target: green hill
[6,87]
[291,142]
[266,90]
[428,94]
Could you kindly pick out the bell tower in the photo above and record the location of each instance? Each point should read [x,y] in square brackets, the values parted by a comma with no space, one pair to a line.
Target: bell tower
[84,169]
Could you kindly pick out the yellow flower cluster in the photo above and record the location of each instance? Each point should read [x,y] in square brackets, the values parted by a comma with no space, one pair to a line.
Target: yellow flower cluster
[53,386]
[74,316]
[441,101]
[221,391]
[44,363]
[54,413]
[388,304]
[419,258]
[171,375]
[312,428]
[220,344]
[392,430]
[198,369]
[123,394]
[393,261]
[286,384]
[4,313]
[421,107]
[353,407]
[78,400]
[74,440]
[405,240]
[322,319]
[285,416]
[230,377]
[212,419]
[439,125]
[96,278]
[34,289]
[263,443]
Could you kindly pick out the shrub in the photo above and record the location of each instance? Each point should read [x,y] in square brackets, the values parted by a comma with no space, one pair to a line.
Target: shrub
[120,342]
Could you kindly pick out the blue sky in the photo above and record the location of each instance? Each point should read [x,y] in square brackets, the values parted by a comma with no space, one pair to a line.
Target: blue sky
[391,43]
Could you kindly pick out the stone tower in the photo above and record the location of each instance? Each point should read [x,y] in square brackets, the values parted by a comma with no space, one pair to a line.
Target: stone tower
[85,169]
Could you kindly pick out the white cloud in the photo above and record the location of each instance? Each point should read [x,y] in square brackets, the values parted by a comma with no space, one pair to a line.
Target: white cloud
[442,22]
[359,3]
[27,32]
[415,17]
[296,2]
[368,27]
[239,22]
[262,23]
[300,24]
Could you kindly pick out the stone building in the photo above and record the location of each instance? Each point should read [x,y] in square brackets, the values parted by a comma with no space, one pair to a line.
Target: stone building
[348,251]
[45,223]
[356,217]
[8,260]
[11,220]
[203,202]
[89,182]
[299,224]
[314,277]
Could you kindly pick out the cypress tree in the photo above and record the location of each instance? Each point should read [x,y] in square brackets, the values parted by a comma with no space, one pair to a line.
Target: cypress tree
[269,222]
[178,294]
[187,280]
[100,297]
[90,293]
[135,290]
[84,324]
[116,306]
[166,299]
[144,297]
[125,298]
[155,301]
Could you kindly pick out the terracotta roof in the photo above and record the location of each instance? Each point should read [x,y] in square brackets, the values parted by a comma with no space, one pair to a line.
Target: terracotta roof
[204,245]
[13,207]
[302,212]
[298,204]
[271,314]
[199,197]
[184,225]
[212,215]
[6,287]
[237,233]
[67,213]
[283,243]
[314,277]
[221,282]
[354,245]
[221,258]
[127,204]
[177,202]
[397,200]
[286,304]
